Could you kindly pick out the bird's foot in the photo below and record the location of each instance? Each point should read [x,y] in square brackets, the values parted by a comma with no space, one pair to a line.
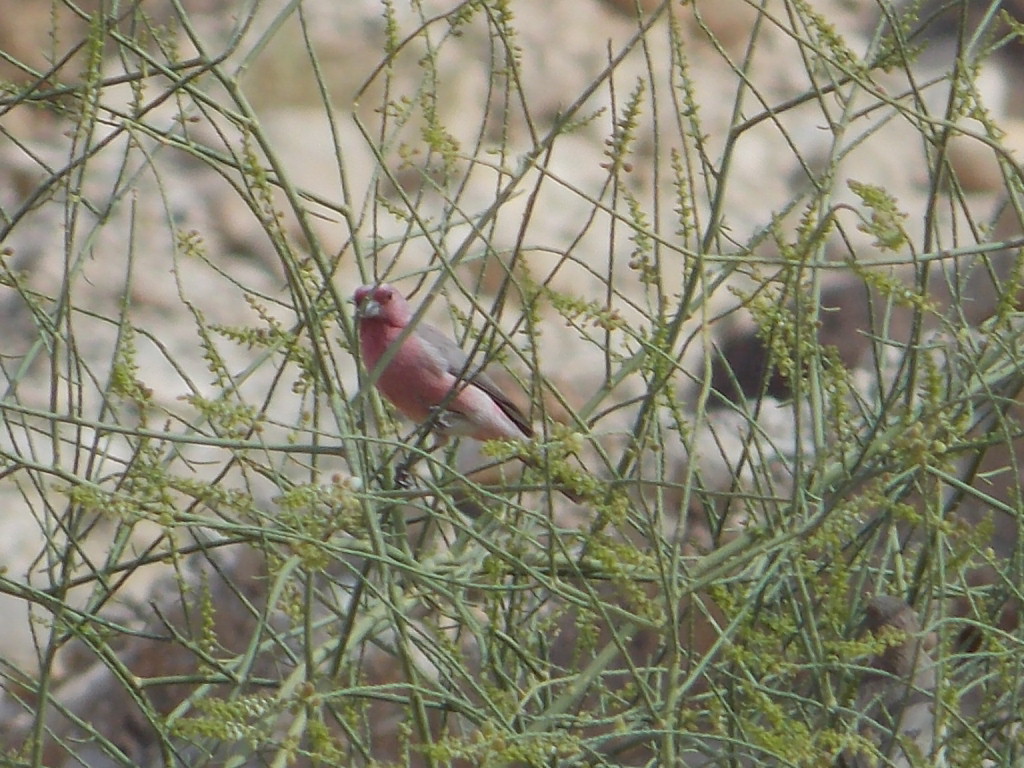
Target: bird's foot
[403,479]
[443,422]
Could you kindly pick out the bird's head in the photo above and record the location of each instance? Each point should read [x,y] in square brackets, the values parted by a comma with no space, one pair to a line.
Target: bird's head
[382,303]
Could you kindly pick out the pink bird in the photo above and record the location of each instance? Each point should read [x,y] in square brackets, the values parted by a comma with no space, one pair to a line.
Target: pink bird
[427,377]
[421,376]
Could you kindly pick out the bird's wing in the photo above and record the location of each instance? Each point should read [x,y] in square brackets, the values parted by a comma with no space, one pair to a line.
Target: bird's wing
[455,361]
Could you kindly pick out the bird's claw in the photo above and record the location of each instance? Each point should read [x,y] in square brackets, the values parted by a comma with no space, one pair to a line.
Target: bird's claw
[403,478]
[441,418]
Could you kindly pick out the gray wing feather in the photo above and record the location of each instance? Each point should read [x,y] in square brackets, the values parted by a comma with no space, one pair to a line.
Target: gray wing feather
[455,360]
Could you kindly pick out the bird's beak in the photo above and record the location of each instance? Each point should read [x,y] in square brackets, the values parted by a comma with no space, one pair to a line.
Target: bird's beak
[370,308]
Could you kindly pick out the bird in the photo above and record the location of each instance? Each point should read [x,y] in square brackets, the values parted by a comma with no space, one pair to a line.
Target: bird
[428,377]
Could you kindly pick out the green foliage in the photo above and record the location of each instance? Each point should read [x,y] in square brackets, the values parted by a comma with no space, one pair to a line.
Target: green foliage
[230,721]
[886,221]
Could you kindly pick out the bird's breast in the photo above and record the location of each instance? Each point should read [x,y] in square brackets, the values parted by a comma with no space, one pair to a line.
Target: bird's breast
[414,379]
